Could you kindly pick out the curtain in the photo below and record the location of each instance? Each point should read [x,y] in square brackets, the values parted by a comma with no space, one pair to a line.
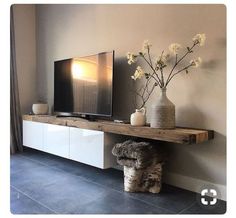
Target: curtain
[15,112]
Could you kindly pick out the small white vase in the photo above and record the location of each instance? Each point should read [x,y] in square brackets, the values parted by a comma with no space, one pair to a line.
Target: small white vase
[138,118]
[40,109]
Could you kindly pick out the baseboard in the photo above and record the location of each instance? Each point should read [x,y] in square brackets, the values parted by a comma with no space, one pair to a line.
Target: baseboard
[192,184]
[188,183]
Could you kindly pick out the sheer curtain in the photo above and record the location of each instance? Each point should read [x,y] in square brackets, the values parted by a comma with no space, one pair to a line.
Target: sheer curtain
[15,112]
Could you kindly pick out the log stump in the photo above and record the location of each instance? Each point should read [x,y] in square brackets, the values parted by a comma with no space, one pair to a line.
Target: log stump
[142,165]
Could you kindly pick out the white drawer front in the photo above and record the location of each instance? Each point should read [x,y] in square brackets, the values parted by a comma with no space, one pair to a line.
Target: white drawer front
[56,140]
[87,146]
[33,134]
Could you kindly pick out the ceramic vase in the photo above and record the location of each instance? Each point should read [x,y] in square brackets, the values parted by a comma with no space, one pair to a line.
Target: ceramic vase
[163,112]
[40,109]
[138,118]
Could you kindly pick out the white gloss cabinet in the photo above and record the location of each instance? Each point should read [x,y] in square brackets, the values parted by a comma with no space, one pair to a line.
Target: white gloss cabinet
[56,140]
[91,147]
[33,134]
[87,146]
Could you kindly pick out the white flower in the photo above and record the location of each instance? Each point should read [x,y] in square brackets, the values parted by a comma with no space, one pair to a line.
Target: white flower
[131,58]
[174,48]
[138,74]
[146,45]
[163,59]
[196,62]
[200,38]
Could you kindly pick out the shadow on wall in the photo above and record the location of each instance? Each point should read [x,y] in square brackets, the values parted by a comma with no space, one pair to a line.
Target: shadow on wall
[211,64]
[199,159]
[190,116]
[221,42]
[122,93]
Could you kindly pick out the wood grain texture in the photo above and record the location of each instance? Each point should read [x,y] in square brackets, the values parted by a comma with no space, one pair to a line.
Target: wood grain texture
[179,135]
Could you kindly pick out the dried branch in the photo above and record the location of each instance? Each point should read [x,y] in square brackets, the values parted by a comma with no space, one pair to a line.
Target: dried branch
[189,50]
[146,93]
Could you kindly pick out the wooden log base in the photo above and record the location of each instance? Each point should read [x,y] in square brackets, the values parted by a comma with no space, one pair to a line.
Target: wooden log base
[142,165]
[143,180]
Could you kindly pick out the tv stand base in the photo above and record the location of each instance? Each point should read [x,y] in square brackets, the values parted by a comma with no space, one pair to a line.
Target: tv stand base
[86,117]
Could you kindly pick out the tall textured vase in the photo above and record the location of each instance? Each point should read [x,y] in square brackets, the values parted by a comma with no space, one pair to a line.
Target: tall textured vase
[163,112]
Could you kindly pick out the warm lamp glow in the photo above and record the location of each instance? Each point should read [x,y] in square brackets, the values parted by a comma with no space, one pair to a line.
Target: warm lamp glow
[84,70]
[77,70]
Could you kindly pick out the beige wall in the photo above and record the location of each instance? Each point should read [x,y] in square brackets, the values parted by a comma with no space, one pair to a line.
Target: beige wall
[24,22]
[200,97]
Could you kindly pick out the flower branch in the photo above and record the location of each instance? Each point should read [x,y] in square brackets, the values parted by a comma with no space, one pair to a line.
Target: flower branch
[158,75]
[145,95]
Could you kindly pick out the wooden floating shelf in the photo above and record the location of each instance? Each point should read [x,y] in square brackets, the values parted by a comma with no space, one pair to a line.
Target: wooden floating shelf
[179,135]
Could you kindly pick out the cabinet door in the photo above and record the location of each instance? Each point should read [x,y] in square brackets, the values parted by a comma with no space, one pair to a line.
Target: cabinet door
[56,140]
[33,134]
[87,146]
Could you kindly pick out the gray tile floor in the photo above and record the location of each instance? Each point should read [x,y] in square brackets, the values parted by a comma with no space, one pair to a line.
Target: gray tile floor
[46,184]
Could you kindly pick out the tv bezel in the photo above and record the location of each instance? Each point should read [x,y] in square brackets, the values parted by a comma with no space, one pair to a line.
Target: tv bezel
[84,114]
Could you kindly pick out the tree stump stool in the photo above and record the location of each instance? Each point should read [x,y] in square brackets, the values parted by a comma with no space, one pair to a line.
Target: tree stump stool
[142,165]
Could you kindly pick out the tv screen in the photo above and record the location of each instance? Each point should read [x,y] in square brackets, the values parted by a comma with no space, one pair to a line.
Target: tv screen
[83,85]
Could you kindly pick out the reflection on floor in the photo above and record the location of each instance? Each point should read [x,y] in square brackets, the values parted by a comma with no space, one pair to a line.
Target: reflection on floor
[45,184]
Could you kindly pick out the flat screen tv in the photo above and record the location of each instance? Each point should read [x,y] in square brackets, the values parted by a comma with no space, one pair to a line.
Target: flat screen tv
[83,85]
